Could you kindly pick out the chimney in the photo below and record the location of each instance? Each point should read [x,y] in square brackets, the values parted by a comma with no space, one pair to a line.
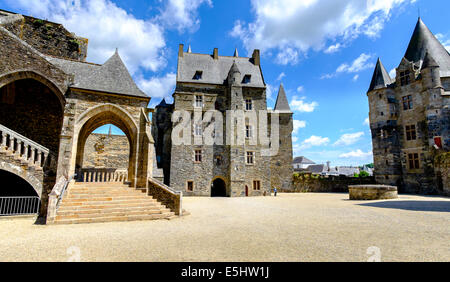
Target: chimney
[328,165]
[180,50]
[216,54]
[255,57]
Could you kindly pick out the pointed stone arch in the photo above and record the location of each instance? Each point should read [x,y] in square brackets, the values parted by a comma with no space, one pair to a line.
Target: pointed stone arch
[100,115]
[30,176]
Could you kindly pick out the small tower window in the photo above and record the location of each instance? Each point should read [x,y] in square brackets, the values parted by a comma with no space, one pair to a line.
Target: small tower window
[248,131]
[248,104]
[250,157]
[198,156]
[198,75]
[407,102]
[190,186]
[256,185]
[199,101]
[198,130]
[247,79]
[410,132]
[404,78]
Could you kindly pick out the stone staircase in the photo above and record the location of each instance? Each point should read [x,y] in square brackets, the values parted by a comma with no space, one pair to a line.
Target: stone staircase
[106,202]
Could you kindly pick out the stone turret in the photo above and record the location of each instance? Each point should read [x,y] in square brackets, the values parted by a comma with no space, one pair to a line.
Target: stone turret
[380,77]
[234,75]
[430,73]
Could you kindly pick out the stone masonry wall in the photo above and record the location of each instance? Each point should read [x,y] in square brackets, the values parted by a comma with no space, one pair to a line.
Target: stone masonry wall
[106,151]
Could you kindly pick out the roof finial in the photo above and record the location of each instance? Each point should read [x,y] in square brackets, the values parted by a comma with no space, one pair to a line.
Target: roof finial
[117,50]
[189,49]
[109,132]
[236,54]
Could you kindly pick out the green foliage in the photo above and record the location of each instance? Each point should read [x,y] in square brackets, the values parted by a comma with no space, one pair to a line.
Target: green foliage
[38,22]
[364,174]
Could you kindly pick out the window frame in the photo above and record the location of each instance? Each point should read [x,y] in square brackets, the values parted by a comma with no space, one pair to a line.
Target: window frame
[256,185]
[249,104]
[413,161]
[410,132]
[198,155]
[405,77]
[198,103]
[187,186]
[407,102]
[250,154]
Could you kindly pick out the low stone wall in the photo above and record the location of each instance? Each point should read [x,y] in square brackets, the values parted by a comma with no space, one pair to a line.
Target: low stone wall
[307,182]
[166,197]
[372,192]
[103,150]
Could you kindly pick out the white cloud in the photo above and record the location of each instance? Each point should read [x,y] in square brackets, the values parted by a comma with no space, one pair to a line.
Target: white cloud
[297,125]
[293,27]
[141,43]
[393,73]
[444,40]
[333,48]
[313,141]
[356,154]
[355,78]
[349,139]
[299,104]
[158,87]
[366,122]
[270,92]
[280,77]
[359,64]
[300,89]
[182,14]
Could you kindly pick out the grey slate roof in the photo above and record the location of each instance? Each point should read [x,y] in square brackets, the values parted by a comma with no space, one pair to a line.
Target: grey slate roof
[282,103]
[423,41]
[302,160]
[216,71]
[111,77]
[317,168]
[429,61]
[380,78]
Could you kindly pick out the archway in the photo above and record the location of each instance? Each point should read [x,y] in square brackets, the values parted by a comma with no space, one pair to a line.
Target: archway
[17,196]
[90,121]
[218,188]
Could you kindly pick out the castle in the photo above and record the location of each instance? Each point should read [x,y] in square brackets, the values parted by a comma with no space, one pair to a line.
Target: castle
[51,100]
[410,117]
[223,85]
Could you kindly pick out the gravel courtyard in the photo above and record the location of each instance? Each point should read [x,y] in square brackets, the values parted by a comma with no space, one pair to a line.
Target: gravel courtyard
[290,227]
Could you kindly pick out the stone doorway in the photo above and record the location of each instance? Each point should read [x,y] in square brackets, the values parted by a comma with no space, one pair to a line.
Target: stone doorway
[246,191]
[218,188]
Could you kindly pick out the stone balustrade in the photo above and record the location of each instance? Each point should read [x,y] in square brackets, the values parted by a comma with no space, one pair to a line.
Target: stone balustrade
[167,196]
[22,148]
[102,175]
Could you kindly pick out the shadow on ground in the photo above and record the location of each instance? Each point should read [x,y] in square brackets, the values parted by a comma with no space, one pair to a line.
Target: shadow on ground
[432,206]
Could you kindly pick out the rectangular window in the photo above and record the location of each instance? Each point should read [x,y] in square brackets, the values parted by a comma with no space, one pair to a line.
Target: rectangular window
[256,185]
[198,130]
[248,131]
[247,79]
[410,132]
[250,157]
[248,104]
[198,156]
[413,160]
[404,77]
[407,102]
[199,101]
[190,186]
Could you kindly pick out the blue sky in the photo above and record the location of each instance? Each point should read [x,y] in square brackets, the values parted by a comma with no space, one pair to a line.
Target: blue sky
[323,51]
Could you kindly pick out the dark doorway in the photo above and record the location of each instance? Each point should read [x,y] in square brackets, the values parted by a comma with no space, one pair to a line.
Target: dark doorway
[13,185]
[17,196]
[246,191]
[218,188]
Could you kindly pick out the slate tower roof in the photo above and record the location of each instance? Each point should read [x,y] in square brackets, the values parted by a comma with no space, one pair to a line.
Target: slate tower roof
[282,103]
[380,78]
[423,41]
[111,77]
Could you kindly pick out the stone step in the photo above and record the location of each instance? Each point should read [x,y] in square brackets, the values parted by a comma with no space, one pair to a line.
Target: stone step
[110,214]
[143,210]
[108,192]
[100,184]
[106,197]
[115,218]
[106,203]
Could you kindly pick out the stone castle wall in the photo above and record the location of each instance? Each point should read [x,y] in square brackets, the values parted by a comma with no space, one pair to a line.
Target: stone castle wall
[106,151]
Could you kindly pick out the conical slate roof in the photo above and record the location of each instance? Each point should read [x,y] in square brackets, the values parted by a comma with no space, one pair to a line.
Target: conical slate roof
[282,103]
[429,61]
[380,78]
[423,41]
[236,54]
[234,68]
[162,104]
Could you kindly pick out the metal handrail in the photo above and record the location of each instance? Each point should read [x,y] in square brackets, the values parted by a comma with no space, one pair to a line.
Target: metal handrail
[19,205]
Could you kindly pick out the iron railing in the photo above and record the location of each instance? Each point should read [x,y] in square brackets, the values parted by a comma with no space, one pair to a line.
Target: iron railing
[19,205]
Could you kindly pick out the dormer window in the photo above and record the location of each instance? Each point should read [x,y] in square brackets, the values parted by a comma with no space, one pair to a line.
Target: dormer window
[198,75]
[404,77]
[247,79]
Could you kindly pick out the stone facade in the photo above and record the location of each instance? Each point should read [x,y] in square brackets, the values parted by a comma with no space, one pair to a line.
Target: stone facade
[218,85]
[410,115]
[106,151]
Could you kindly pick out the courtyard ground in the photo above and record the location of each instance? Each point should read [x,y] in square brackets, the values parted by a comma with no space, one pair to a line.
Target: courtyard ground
[289,227]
